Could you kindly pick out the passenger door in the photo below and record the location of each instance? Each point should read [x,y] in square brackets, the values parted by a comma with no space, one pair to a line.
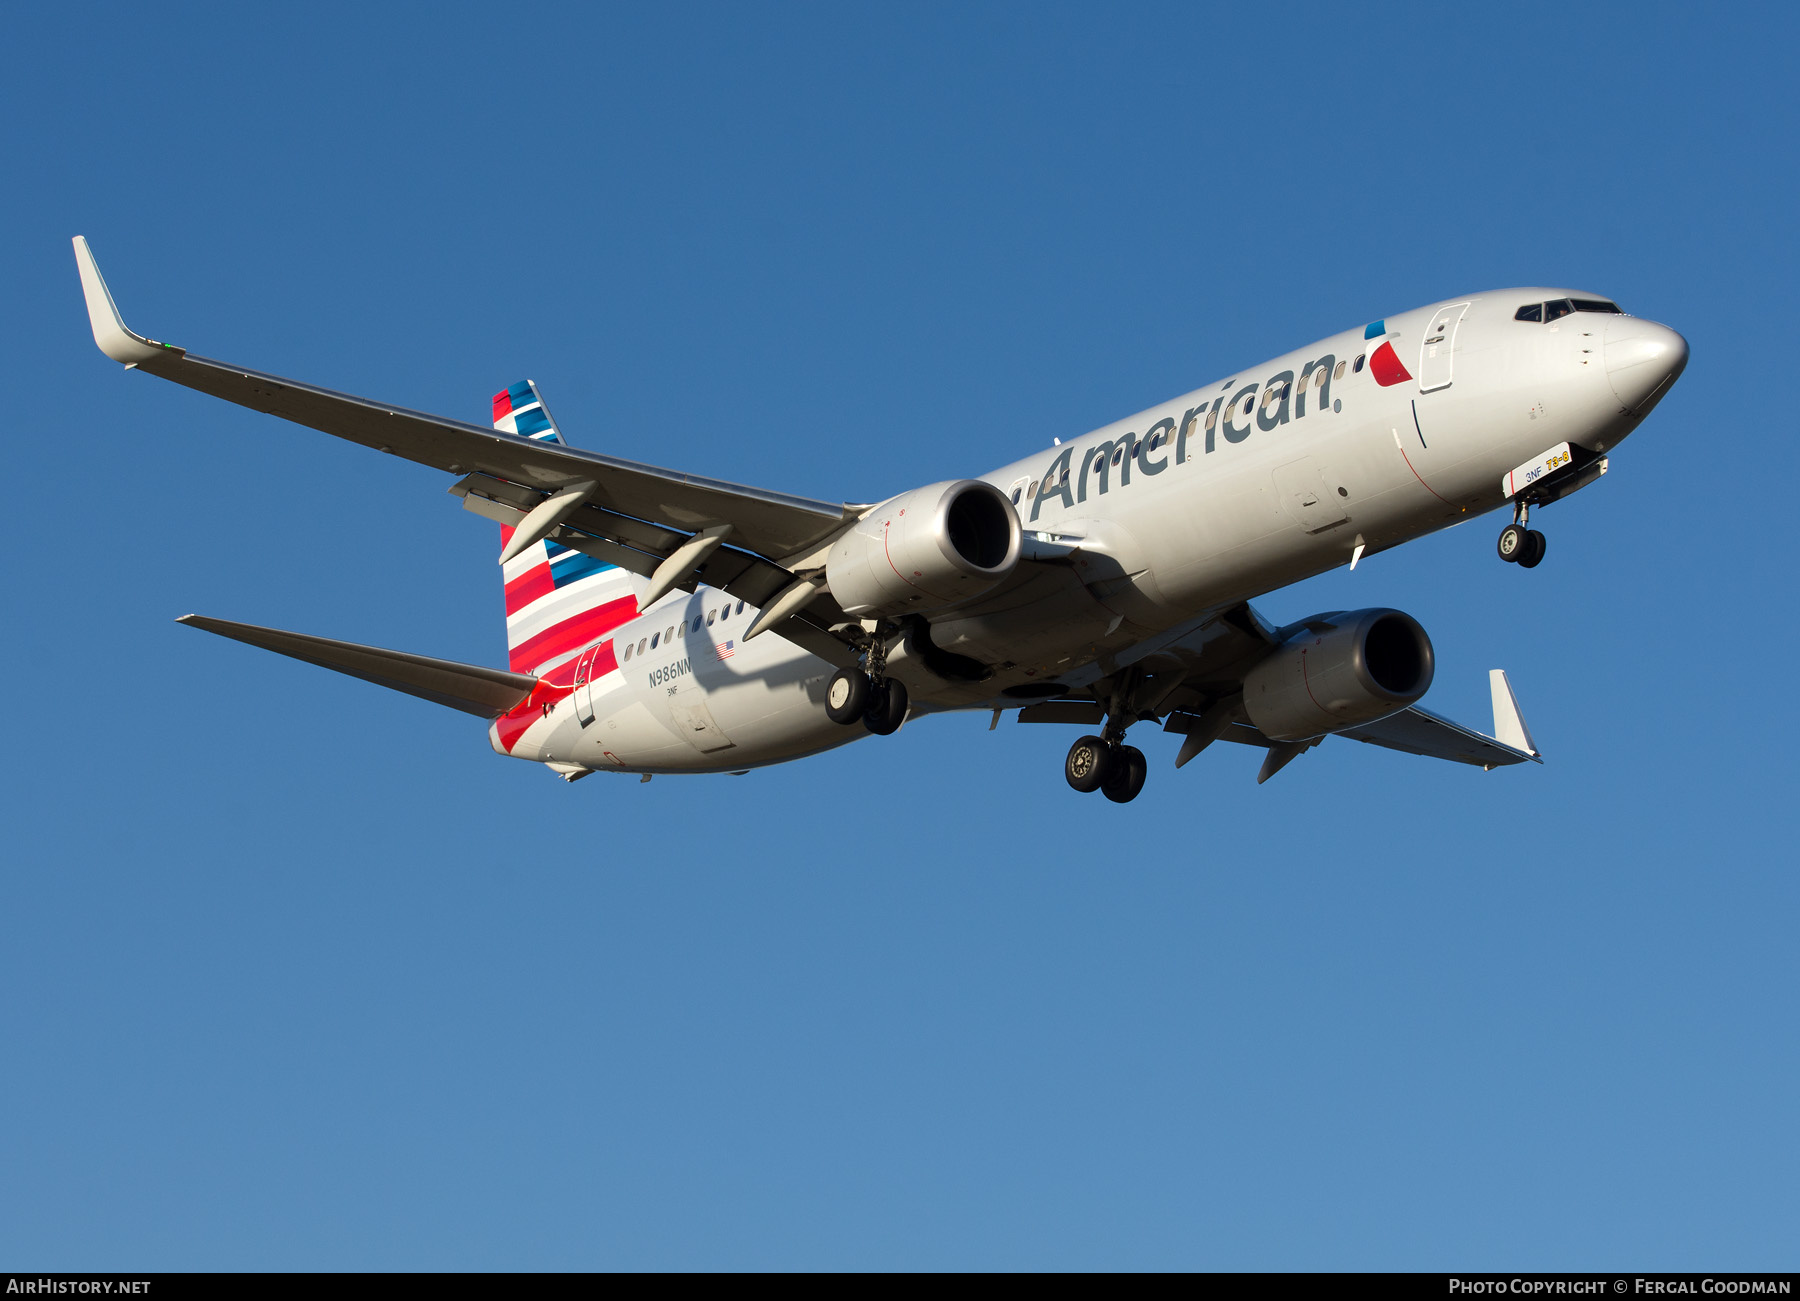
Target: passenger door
[1438,349]
[584,696]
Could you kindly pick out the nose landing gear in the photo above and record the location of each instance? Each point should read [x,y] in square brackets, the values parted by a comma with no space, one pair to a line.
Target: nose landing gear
[1519,545]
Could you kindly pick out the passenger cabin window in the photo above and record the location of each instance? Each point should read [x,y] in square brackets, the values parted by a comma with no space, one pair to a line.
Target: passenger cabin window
[1530,312]
[1032,490]
[640,645]
[1017,493]
[1557,310]
[1212,418]
[1339,372]
[1359,363]
[628,654]
[740,607]
[709,617]
[654,638]
[1596,305]
[696,623]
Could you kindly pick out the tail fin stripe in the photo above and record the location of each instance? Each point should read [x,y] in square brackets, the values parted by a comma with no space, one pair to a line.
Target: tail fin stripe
[532,423]
[532,585]
[575,566]
[574,633]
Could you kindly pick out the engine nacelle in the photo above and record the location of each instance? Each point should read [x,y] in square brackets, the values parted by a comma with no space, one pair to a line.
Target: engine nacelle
[925,550]
[1359,666]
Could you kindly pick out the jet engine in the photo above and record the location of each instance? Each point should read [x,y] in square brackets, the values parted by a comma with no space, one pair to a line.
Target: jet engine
[1337,671]
[925,550]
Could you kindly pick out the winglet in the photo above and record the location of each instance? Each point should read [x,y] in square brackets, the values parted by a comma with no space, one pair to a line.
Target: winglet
[109,329]
[1509,723]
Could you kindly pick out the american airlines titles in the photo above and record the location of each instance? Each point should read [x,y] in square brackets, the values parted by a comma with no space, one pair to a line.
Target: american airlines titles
[1283,399]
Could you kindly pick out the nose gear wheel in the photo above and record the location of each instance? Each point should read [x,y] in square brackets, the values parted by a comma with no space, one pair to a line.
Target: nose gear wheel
[1519,545]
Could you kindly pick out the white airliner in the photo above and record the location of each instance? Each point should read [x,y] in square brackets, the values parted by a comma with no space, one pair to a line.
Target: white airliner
[1102,581]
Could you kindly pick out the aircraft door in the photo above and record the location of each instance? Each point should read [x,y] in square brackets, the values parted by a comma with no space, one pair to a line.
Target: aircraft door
[1438,349]
[584,696]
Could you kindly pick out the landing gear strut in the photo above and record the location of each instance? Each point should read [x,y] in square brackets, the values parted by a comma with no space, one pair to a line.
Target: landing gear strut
[1519,545]
[868,695]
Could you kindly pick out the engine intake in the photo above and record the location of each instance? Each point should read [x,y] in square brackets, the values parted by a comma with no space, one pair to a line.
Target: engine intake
[1340,670]
[925,550]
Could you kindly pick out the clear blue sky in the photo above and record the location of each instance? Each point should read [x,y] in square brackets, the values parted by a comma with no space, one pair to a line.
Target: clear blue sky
[298,974]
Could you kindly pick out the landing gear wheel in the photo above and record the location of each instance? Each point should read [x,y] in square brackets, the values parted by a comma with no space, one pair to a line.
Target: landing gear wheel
[1514,544]
[1535,546]
[1089,761]
[847,696]
[1126,779]
[887,707]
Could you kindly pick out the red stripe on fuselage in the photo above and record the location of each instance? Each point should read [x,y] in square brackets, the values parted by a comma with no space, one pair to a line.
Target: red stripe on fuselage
[589,625]
[556,685]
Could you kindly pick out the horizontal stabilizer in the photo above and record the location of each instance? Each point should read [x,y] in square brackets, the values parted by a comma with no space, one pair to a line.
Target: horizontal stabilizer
[484,692]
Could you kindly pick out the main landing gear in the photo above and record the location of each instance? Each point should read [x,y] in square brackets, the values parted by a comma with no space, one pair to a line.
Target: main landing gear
[871,696]
[1519,545]
[1116,770]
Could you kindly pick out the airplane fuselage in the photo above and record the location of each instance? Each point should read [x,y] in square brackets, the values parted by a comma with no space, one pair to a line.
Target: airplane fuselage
[1349,446]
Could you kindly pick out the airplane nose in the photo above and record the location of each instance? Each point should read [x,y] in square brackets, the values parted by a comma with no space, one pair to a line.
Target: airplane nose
[1642,358]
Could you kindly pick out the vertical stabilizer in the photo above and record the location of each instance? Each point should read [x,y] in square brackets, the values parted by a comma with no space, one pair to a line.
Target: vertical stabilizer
[520,410]
[558,601]
[1509,723]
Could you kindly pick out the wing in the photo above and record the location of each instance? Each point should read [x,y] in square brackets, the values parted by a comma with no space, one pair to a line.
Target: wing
[632,507]
[772,524]
[1191,678]
[1419,731]
[484,692]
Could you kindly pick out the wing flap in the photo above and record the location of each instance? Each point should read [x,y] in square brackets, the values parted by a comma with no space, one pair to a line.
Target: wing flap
[484,692]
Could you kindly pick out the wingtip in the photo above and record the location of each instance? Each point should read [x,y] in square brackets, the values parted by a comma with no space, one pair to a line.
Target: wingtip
[1509,721]
[110,332]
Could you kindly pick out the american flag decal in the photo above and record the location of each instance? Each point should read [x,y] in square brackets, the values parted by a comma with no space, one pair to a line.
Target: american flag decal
[725,650]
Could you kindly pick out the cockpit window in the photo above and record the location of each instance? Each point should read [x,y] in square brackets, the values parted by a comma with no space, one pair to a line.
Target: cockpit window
[1596,305]
[1557,310]
[1530,312]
